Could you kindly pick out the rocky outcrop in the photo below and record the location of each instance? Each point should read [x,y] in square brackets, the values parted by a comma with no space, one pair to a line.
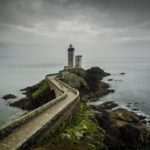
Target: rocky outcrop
[88,82]
[36,96]
[82,133]
[74,80]
[105,106]
[110,79]
[88,94]
[124,129]
[122,73]
[9,96]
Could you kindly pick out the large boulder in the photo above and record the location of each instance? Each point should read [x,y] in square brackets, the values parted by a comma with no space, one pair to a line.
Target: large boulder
[9,96]
[124,130]
[93,77]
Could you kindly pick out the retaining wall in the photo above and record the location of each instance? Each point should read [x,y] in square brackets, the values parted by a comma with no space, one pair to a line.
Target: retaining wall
[52,124]
[6,129]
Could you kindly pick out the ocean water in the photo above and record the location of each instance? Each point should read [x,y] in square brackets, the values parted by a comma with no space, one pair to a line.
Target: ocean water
[132,87]
[15,76]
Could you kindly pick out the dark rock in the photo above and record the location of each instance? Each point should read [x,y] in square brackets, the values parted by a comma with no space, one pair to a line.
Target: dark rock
[135,109]
[129,104]
[24,93]
[25,89]
[144,121]
[23,103]
[87,94]
[136,104]
[93,77]
[111,91]
[105,106]
[141,117]
[122,73]
[110,79]
[35,97]
[9,96]
[93,87]
[139,136]
[124,130]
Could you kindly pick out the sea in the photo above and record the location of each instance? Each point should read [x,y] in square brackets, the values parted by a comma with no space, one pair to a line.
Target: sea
[132,88]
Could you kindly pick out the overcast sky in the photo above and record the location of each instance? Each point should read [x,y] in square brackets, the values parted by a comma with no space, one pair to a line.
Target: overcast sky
[41,30]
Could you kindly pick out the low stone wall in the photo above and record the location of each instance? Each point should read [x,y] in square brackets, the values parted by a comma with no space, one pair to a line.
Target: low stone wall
[58,90]
[52,125]
[71,88]
[49,128]
[5,130]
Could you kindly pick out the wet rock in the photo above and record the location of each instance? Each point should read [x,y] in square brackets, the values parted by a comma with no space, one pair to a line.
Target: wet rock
[141,117]
[139,136]
[110,79]
[24,89]
[105,106]
[9,96]
[144,121]
[129,104]
[124,130]
[111,91]
[36,96]
[23,103]
[135,109]
[122,73]
[94,94]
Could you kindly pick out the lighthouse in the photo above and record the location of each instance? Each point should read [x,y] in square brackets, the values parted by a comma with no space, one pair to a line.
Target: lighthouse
[78,61]
[71,57]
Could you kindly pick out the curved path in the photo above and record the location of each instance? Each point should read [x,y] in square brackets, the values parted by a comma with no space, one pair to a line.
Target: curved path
[24,132]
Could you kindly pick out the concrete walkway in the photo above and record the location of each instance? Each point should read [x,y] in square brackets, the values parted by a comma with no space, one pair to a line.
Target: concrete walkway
[20,135]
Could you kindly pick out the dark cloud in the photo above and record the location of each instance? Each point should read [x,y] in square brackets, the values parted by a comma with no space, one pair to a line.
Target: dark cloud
[98,23]
[111,13]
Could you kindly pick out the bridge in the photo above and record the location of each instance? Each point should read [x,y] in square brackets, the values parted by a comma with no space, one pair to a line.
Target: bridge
[43,121]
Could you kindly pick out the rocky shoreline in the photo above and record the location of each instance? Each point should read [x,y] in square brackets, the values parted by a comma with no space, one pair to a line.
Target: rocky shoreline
[117,123]
[124,129]
[120,128]
[35,96]
[88,82]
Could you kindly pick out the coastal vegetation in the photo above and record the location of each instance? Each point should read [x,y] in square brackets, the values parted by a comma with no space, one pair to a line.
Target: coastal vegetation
[36,96]
[97,127]
[88,82]
[101,127]
[83,132]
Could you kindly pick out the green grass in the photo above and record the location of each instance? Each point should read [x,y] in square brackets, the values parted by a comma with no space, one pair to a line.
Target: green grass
[68,136]
[43,85]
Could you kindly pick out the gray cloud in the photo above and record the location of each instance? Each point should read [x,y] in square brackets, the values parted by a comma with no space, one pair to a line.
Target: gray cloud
[90,24]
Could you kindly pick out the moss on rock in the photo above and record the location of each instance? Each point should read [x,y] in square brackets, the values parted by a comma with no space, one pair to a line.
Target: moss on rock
[36,96]
[43,85]
[81,134]
[74,80]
